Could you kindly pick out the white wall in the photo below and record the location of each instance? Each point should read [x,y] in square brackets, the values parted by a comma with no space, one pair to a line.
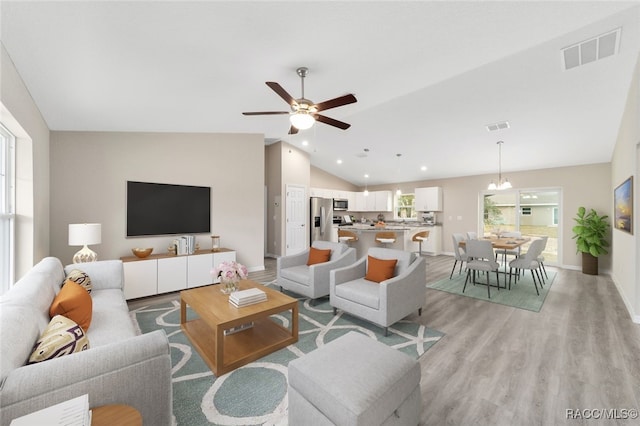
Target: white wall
[22,117]
[88,184]
[625,270]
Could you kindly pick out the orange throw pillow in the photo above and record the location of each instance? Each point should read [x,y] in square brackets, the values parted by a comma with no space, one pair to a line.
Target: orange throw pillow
[318,256]
[73,302]
[379,270]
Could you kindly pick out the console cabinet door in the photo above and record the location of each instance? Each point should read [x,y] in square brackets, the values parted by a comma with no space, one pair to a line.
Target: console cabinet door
[140,278]
[172,274]
[199,270]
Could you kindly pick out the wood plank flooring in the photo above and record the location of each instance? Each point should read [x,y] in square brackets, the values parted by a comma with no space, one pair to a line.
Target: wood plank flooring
[499,365]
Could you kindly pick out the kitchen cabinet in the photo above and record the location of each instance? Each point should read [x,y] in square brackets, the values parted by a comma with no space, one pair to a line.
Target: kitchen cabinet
[334,234]
[164,273]
[428,199]
[384,201]
[376,201]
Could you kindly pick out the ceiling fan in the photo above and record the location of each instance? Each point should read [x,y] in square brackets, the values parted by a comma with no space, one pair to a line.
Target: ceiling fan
[304,113]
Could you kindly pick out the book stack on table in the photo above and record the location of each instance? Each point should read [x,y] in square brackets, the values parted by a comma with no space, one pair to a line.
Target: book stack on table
[247,297]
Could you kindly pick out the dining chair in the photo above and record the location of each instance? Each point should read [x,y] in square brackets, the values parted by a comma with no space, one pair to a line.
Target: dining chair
[540,259]
[472,236]
[347,237]
[459,253]
[419,237]
[504,253]
[480,258]
[528,261]
[385,238]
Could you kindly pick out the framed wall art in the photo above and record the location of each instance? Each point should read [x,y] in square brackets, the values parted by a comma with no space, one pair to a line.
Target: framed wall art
[623,206]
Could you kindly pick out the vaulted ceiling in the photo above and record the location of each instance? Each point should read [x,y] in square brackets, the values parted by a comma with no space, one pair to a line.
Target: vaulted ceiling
[428,75]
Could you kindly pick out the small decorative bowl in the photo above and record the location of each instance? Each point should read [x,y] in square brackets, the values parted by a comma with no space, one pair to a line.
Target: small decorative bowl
[142,252]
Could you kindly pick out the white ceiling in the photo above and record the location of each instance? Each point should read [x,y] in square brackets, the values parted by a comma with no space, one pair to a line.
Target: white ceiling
[428,75]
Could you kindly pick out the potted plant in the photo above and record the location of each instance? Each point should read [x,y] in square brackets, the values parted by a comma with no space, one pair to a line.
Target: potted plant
[589,232]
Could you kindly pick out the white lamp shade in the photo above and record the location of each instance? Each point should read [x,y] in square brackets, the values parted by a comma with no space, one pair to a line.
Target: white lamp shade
[302,120]
[81,234]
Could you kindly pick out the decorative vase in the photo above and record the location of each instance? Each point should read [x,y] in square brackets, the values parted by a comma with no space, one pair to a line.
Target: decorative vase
[589,264]
[229,285]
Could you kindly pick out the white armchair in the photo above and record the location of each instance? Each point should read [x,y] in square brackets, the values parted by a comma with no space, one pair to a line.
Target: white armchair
[383,303]
[294,275]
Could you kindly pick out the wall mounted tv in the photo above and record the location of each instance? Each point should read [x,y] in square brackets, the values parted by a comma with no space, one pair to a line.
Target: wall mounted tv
[162,209]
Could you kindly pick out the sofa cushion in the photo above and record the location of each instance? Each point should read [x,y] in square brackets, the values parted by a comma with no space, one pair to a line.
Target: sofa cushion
[318,256]
[360,291]
[74,302]
[111,318]
[298,274]
[79,277]
[379,270]
[61,337]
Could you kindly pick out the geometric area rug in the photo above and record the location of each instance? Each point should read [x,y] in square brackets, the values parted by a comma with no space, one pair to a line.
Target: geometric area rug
[522,295]
[256,394]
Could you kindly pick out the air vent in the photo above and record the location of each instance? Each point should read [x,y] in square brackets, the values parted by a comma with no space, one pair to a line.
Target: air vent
[497,126]
[591,50]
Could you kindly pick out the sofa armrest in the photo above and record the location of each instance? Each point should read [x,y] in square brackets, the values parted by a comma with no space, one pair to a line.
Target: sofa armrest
[292,260]
[135,371]
[104,274]
[348,273]
[405,290]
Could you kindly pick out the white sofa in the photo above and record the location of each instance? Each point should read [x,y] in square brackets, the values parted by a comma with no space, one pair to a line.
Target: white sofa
[381,303]
[120,366]
[312,281]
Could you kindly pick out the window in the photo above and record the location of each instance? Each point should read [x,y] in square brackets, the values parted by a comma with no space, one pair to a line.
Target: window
[405,207]
[7,212]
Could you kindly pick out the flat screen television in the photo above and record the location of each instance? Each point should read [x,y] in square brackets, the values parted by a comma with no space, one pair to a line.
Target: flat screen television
[163,209]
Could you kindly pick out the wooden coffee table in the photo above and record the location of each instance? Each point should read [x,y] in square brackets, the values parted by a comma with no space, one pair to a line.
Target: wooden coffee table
[215,314]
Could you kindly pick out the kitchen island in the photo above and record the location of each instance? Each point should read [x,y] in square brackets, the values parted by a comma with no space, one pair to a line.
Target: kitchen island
[367,234]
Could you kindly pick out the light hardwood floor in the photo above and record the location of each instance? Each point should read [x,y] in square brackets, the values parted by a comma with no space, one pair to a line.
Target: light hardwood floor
[499,365]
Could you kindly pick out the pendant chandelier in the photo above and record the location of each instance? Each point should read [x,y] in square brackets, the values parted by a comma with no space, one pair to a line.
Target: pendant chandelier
[502,183]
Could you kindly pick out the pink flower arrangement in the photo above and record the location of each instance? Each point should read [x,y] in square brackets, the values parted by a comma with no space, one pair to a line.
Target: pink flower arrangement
[230,271]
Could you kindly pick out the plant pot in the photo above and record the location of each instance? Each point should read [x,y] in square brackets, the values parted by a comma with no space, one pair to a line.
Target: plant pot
[589,264]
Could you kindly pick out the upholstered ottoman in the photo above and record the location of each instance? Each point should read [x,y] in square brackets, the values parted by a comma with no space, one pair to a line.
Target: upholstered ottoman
[354,380]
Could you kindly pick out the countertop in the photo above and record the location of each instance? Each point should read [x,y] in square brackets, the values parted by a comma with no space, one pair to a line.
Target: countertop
[389,227]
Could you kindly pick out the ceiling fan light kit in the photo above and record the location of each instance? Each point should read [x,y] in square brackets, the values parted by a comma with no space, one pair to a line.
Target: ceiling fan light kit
[304,113]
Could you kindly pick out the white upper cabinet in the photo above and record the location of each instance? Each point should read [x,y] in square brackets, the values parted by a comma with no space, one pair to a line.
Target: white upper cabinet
[384,201]
[428,199]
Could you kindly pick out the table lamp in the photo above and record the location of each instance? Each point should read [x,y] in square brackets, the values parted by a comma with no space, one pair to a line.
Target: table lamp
[84,234]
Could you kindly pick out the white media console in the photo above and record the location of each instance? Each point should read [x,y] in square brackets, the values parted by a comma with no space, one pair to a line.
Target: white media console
[164,273]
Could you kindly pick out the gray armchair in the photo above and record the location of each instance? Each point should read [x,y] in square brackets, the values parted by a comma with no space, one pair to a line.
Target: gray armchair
[383,303]
[294,275]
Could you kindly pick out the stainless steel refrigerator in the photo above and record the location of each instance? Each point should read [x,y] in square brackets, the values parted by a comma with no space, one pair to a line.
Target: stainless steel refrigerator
[321,218]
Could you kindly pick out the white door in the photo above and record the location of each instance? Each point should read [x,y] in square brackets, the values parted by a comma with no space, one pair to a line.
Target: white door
[296,219]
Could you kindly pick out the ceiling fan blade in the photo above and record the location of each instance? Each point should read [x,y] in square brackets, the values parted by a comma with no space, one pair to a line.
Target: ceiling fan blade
[281,92]
[336,102]
[332,122]
[265,113]
[293,130]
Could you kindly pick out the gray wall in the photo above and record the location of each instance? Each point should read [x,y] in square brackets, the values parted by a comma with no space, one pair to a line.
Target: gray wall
[88,184]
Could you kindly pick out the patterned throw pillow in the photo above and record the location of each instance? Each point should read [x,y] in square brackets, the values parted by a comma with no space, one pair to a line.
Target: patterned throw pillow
[61,337]
[79,277]
[75,303]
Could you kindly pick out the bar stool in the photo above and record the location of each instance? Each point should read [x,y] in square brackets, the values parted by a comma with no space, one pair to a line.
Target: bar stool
[385,238]
[347,237]
[419,237]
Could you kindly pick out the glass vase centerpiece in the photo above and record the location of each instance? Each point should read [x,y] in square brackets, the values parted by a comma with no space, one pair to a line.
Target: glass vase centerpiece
[230,274]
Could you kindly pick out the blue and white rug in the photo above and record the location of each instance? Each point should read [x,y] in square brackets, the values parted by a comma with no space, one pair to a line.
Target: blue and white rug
[256,394]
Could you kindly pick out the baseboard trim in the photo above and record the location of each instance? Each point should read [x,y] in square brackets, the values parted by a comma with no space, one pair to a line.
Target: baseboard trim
[634,317]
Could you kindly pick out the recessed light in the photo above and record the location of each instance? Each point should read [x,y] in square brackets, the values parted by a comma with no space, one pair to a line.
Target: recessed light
[423,168]
[305,142]
[366,176]
[339,161]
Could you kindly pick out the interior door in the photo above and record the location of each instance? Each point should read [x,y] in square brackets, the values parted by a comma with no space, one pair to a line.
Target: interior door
[296,219]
